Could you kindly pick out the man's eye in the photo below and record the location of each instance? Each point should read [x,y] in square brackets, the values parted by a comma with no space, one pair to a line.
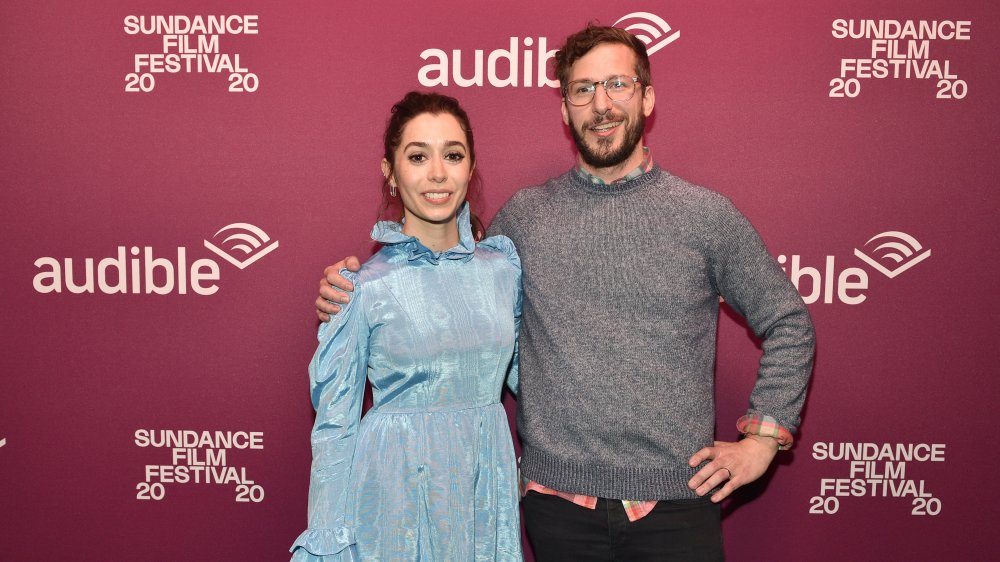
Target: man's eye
[583,89]
[616,83]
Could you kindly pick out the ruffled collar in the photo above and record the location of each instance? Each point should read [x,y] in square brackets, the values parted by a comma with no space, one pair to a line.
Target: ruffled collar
[390,233]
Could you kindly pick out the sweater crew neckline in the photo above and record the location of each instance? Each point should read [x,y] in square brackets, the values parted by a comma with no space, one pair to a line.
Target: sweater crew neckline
[646,179]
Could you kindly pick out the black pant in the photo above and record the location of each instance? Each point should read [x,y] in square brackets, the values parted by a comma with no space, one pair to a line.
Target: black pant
[681,530]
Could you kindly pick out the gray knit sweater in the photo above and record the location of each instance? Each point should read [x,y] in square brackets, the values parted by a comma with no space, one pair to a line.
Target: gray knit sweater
[617,348]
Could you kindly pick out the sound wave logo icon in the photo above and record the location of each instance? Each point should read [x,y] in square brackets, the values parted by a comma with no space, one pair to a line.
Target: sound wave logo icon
[897,250]
[242,239]
[650,29]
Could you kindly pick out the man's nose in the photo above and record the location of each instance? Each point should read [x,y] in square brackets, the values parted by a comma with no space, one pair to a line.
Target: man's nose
[602,103]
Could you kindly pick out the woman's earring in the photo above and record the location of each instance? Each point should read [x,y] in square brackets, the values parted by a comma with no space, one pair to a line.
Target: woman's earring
[392,189]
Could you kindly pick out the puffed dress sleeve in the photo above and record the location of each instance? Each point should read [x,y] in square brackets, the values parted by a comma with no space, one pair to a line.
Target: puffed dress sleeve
[505,246]
[337,376]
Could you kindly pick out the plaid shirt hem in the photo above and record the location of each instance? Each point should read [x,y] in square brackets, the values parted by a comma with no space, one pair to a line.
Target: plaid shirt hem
[634,509]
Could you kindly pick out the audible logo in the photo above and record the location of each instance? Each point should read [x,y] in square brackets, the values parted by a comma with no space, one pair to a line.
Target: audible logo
[523,63]
[437,72]
[897,250]
[244,239]
[650,29]
[136,270]
[890,253]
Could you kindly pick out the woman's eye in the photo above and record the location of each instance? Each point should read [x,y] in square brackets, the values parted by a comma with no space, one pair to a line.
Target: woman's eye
[455,156]
[416,157]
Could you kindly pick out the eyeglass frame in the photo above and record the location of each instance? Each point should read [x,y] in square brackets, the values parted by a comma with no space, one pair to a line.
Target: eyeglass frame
[603,83]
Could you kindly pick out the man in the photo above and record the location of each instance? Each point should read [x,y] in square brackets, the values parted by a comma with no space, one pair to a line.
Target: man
[623,268]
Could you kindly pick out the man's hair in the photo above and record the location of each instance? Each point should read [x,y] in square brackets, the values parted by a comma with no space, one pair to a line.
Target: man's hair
[581,42]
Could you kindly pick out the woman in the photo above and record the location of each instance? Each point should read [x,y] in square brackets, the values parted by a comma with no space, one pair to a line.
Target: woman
[429,472]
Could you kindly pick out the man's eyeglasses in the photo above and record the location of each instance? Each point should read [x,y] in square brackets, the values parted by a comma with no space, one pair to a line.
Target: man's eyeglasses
[618,88]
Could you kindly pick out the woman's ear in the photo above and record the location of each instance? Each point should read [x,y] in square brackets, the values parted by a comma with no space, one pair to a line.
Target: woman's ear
[387,172]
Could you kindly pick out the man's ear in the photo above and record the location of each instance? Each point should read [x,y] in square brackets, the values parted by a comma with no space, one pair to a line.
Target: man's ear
[648,101]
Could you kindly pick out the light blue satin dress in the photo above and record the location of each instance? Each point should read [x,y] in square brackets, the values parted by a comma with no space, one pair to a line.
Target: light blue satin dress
[429,472]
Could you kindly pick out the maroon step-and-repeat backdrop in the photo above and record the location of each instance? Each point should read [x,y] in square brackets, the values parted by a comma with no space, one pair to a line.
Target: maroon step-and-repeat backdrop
[176,174]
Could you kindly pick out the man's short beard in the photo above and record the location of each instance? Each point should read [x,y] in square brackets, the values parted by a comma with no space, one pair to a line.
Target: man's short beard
[633,136]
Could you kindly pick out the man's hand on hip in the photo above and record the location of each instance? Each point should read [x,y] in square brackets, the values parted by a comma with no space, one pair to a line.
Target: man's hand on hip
[735,464]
